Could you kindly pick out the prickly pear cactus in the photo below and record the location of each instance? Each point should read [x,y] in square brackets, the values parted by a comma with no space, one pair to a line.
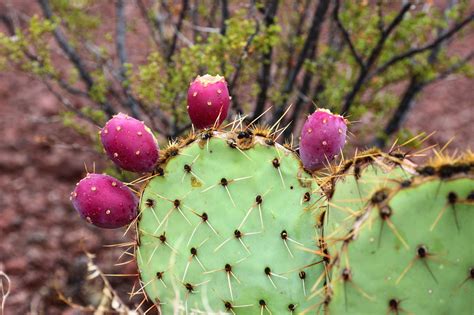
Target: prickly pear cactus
[228,224]
[353,183]
[410,249]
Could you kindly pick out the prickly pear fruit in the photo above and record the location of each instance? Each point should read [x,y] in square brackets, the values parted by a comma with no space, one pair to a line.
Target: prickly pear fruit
[323,136]
[129,143]
[208,101]
[104,201]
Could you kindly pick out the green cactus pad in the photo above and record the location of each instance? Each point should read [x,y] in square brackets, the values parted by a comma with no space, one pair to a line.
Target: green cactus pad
[228,224]
[409,253]
[355,182]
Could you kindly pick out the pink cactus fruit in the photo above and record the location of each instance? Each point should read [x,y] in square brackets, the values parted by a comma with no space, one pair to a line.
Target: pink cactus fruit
[208,101]
[104,201]
[322,138]
[129,143]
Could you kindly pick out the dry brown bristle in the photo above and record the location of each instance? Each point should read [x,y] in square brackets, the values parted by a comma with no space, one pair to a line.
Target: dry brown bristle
[262,131]
[288,146]
[188,139]
[169,152]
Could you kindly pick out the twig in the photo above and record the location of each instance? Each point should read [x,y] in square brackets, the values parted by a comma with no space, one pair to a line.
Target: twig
[374,54]
[235,102]
[8,23]
[122,55]
[336,46]
[212,13]
[416,85]
[62,83]
[242,56]
[73,56]
[310,43]
[298,30]
[177,31]
[264,77]
[67,104]
[223,30]
[151,24]
[203,29]
[225,16]
[302,96]
[424,48]
[380,22]
[346,35]
[452,69]
[108,67]
[195,18]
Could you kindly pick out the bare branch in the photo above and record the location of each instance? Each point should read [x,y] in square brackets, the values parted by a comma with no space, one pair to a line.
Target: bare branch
[380,22]
[225,16]
[346,35]
[195,18]
[412,52]
[242,56]
[73,56]
[203,29]
[414,87]
[309,45]
[7,20]
[304,103]
[417,84]
[122,55]
[297,31]
[177,32]
[264,76]
[67,103]
[452,69]
[374,54]
[153,25]
[311,41]
[239,65]
[212,13]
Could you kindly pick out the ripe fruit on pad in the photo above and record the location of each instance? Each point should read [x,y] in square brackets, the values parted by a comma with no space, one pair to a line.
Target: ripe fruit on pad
[208,101]
[104,201]
[129,143]
[323,136]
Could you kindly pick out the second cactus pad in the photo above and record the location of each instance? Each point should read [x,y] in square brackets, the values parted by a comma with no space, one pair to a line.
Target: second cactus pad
[353,185]
[228,225]
[410,251]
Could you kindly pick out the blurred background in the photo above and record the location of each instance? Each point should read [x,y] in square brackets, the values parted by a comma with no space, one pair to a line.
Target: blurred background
[394,68]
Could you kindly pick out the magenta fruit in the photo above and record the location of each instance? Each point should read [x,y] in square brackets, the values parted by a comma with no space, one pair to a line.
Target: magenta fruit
[208,101]
[104,201]
[323,136]
[129,143]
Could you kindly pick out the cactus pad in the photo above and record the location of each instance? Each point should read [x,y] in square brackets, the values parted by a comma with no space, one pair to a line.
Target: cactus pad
[409,251]
[354,183]
[228,224]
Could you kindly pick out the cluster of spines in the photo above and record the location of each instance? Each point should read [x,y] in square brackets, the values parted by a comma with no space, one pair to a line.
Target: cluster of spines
[239,138]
